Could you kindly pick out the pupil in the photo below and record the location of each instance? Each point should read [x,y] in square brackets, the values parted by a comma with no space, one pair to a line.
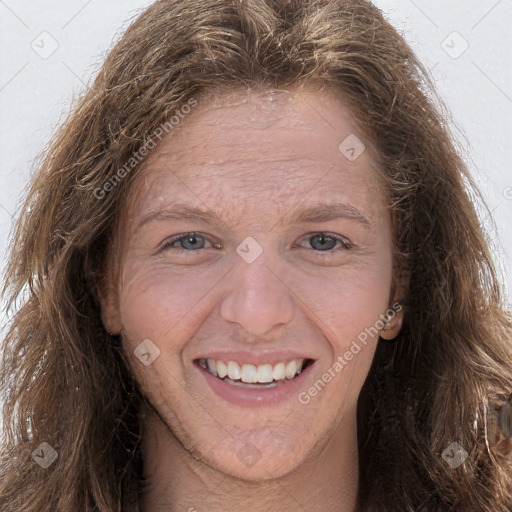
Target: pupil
[324,240]
[188,243]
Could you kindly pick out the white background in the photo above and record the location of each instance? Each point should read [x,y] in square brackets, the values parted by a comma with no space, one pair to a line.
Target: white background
[36,93]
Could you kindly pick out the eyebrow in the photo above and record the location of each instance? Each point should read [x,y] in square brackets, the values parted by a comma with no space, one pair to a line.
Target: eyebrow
[326,212]
[323,212]
[184,212]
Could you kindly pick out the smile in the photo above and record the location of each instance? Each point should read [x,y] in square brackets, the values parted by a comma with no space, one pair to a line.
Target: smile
[257,383]
[260,376]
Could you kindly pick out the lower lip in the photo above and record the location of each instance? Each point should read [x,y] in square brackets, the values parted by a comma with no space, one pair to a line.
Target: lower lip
[250,397]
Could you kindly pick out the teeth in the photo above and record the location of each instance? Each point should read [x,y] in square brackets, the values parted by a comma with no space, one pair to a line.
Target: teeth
[234,372]
[291,369]
[212,366]
[265,373]
[222,369]
[279,371]
[252,386]
[251,374]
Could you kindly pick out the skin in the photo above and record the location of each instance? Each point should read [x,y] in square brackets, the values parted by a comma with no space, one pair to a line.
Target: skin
[256,159]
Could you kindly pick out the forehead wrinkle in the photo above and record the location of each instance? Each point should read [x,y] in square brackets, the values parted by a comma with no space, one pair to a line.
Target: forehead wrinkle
[251,183]
[202,140]
[183,211]
[201,154]
[238,175]
[232,153]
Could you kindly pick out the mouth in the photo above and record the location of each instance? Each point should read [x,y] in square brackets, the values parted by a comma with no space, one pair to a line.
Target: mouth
[252,376]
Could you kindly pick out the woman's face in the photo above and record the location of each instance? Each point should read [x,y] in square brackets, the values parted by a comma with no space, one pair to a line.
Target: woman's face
[256,291]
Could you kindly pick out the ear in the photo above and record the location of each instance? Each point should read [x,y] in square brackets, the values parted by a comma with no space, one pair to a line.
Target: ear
[395,319]
[108,295]
[392,328]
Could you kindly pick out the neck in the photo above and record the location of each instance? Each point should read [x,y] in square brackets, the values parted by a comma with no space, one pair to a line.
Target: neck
[176,481]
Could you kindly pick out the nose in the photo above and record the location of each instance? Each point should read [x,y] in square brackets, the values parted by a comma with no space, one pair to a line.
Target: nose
[258,299]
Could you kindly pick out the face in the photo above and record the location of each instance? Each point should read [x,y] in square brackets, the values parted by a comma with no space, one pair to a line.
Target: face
[256,251]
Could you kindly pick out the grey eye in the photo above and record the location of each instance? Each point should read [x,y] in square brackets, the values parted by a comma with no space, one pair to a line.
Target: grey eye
[185,242]
[192,242]
[323,242]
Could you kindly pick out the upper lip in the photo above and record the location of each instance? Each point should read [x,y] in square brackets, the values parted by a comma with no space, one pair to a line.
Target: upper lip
[244,357]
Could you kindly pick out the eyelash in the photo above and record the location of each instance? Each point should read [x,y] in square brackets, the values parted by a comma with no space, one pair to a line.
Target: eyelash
[167,244]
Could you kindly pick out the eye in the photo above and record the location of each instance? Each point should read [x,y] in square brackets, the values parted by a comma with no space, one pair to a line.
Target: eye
[186,242]
[189,242]
[325,242]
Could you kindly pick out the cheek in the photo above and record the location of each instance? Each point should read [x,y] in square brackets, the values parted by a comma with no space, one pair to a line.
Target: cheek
[347,309]
[158,304]
[351,299]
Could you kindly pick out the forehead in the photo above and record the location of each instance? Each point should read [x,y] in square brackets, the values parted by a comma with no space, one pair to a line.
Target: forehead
[254,148]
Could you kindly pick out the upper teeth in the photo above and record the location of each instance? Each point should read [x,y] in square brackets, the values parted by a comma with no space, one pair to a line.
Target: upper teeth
[250,373]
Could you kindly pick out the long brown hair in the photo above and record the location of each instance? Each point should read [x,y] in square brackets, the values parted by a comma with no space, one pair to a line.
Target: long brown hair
[64,380]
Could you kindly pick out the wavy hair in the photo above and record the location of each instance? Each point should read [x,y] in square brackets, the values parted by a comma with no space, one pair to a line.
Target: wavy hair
[64,379]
